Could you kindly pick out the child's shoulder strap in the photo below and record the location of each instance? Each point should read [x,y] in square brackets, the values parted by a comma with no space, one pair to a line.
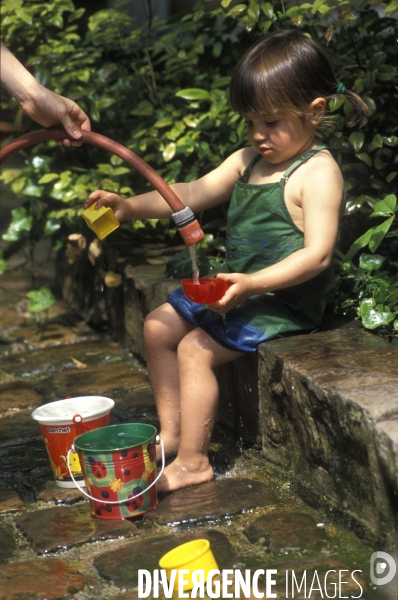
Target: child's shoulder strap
[248,170]
[302,159]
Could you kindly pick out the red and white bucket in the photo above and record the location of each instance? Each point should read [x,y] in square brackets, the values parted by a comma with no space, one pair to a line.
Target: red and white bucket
[61,422]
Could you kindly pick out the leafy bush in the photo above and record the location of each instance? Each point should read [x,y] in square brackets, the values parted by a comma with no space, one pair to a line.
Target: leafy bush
[163,91]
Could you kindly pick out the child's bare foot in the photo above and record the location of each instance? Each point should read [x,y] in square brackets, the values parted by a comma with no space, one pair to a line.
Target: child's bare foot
[179,475]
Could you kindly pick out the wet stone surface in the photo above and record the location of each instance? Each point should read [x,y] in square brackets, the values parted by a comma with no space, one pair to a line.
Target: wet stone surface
[62,527]
[122,565]
[19,396]
[8,546]
[51,492]
[285,532]
[10,501]
[53,548]
[45,360]
[51,579]
[107,380]
[212,501]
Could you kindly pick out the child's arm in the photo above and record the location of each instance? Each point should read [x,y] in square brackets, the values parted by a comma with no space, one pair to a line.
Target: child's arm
[322,203]
[212,189]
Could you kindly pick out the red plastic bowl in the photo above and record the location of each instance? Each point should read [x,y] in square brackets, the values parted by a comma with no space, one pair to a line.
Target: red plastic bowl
[206,291]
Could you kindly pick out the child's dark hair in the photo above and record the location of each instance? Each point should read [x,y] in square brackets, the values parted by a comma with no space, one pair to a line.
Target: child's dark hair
[284,72]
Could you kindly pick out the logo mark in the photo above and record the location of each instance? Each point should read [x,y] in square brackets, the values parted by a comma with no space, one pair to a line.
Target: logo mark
[382,568]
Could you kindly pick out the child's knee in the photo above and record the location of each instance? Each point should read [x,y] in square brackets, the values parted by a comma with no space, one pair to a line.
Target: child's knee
[163,327]
[153,325]
[193,347]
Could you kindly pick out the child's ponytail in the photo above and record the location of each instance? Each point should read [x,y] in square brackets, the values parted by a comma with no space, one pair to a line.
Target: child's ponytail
[360,109]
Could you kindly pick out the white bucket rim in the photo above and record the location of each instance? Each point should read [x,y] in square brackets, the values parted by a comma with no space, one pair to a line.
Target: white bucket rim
[88,407]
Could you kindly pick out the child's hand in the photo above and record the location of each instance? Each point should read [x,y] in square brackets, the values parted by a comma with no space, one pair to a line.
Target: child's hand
[239,291]
[120,207]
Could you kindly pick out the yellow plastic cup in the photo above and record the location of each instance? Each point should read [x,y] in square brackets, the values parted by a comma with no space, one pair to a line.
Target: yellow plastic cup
[191,556]
[102,220]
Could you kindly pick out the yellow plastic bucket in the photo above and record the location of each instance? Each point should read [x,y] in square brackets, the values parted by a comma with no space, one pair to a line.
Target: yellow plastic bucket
[102,220]
[192,556]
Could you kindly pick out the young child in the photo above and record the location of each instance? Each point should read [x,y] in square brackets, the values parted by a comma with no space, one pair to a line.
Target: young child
[287,197]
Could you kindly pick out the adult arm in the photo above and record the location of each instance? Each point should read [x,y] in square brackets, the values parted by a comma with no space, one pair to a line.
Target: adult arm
[42,105]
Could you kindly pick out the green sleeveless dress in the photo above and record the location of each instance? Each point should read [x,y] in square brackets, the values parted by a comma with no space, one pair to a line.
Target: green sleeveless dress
[260,233]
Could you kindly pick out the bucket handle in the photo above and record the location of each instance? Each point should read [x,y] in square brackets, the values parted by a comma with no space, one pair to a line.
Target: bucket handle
[158,440]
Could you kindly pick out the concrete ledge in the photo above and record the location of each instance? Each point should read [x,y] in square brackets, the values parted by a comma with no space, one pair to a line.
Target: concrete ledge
[329,413]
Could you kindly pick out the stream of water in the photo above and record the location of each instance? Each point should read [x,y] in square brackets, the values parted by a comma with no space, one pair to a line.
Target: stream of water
[195,268]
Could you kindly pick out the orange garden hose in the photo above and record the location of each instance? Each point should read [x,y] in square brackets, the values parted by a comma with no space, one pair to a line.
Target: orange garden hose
[183,216]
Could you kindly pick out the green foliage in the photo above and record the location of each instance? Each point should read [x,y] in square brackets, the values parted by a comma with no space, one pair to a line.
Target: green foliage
[163,91]
[369,289]
[3,263]
[40,300]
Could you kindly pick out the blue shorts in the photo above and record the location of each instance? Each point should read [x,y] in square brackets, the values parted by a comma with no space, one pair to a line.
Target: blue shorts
[228,330]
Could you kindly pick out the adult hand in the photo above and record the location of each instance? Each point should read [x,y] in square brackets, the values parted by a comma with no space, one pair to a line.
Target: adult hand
[48,109]
[39,103]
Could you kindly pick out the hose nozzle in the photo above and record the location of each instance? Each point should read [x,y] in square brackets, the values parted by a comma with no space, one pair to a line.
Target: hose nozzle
[188,226]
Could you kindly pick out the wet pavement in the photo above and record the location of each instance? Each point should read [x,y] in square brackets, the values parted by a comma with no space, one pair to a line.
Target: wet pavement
[52,547]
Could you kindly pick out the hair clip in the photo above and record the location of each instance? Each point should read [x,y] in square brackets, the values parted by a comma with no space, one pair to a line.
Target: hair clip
[341,88]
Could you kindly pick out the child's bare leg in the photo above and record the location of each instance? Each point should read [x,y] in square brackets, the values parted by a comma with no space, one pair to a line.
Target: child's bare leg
[163,331]
[198,355]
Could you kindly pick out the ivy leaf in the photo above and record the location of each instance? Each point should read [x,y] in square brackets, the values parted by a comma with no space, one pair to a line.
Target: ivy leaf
[236,10]
[193,94]
[361,242]
[268,10]
[391,7]
[391,140]
[378,234]
[41,299]
[52,225]
[10,175]
[18,185]
[120,171]
[253,11]
[386,73]
[385,207]
[48,177]
[20,222]
[373,317]
[391,176]
[370,103]
[169,151]
[31,189]
[377,141]
[364,156]
[356,139]
[377,60]
[336,102]
[370,262]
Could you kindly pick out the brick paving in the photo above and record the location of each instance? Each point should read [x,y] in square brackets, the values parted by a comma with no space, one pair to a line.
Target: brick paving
[53,548]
